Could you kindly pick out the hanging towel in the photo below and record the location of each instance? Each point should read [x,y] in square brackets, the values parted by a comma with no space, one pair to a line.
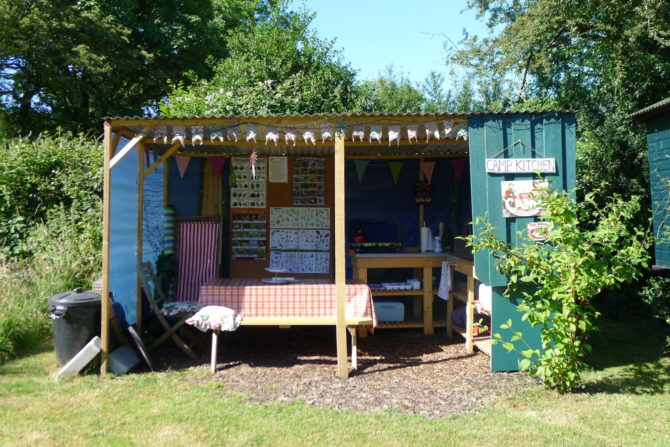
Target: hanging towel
[197,257]
[485,297]
[445,281]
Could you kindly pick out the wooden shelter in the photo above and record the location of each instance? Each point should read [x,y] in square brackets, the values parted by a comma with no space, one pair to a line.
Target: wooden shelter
[484,139]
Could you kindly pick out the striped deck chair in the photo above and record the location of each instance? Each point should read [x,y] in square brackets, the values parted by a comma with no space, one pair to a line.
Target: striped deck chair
[197,258]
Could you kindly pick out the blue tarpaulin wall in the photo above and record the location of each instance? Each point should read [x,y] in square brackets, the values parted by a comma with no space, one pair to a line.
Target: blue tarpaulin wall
[376,199]
[123,230]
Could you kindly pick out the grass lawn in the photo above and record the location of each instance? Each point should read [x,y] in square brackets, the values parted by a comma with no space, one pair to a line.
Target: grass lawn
[626,402]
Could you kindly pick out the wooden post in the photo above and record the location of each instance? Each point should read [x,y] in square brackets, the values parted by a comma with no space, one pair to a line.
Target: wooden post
[140,228]
[428,300]
[416,304]
[106,202]
[340,266]
[470,313]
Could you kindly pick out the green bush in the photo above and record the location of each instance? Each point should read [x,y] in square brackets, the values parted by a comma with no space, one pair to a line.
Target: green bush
[38,177]
[588,248]
[50,192]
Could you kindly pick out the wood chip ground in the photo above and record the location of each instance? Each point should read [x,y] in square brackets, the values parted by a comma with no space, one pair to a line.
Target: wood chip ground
[401,370]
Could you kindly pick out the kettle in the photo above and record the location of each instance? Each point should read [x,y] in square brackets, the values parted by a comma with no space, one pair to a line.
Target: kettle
[360,236]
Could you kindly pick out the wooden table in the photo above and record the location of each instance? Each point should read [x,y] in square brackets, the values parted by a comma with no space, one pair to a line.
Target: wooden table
[305,302]
[461,262]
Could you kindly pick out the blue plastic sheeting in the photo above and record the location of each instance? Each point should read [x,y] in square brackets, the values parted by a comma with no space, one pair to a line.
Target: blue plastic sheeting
[377,200]
[152,216]
[184,192]
[123,235]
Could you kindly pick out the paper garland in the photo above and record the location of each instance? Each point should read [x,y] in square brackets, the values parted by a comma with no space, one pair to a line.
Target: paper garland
[452,130]
[196,134]
[179,135]
[272,134]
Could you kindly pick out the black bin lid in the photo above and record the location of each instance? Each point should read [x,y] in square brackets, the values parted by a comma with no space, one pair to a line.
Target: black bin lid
[76,298]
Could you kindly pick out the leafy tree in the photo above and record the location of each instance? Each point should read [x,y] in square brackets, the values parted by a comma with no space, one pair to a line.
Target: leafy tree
[277,66]
[68,63]
[52,174]
[605,59]
[588,248]
[391,92]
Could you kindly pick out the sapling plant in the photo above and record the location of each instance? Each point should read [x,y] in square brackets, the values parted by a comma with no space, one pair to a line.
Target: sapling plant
[586,248]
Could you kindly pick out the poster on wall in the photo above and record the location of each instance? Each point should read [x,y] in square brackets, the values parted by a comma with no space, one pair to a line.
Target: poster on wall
[300,240]
[300,261]
[290,217]
[249,234]
[278,170]
[521,198]
[309,181]
[246,191]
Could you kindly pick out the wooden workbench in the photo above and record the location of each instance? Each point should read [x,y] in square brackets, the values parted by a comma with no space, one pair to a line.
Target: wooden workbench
[406,259]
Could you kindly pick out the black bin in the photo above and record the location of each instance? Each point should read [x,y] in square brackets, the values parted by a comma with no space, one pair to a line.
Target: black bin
[76,320]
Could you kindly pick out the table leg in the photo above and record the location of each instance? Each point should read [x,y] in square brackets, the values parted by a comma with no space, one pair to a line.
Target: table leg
[354,348]
[428,300]
[450,310]
[215,349]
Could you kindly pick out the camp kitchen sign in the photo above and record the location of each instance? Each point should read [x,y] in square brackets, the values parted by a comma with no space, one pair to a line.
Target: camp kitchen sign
[520,165]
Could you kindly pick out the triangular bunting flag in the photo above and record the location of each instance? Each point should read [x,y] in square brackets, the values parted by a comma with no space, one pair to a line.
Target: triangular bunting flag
[182,164]
[218,163]
[396,167]
[361,166]
[457,165]
[427,168]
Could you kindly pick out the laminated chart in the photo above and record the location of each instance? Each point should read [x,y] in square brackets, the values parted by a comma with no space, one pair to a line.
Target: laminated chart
[300,261]
[245,191]
[309,181]
[300,239]
[289,217]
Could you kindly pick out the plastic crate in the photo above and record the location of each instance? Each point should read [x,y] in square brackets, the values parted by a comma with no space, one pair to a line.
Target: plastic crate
[390,312]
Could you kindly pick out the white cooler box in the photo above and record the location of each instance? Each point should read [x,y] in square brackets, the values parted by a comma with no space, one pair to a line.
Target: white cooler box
[390,312]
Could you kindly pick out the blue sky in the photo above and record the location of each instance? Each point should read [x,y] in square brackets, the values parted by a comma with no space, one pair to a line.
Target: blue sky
[410,35]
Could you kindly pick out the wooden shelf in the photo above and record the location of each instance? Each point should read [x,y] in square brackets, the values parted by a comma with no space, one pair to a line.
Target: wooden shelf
[397,292]
[407,324]
[483,344]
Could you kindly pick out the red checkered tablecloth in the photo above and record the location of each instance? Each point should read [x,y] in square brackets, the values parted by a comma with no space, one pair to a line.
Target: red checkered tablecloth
[304,298]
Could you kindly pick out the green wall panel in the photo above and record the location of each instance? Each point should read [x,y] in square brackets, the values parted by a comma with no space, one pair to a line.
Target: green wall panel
[549,135]
[658,142]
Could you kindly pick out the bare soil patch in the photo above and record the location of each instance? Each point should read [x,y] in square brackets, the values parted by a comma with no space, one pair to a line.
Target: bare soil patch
[402,370]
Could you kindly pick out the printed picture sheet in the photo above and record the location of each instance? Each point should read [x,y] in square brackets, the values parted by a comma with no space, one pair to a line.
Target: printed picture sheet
[291,217]
[318,240]
[300,261]
[247,192]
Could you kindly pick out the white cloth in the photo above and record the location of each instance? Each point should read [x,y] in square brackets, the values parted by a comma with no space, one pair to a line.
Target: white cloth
[445,281]
[485,297]
[215,318]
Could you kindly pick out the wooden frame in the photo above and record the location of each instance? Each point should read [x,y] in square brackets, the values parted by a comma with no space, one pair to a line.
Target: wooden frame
[137,130]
